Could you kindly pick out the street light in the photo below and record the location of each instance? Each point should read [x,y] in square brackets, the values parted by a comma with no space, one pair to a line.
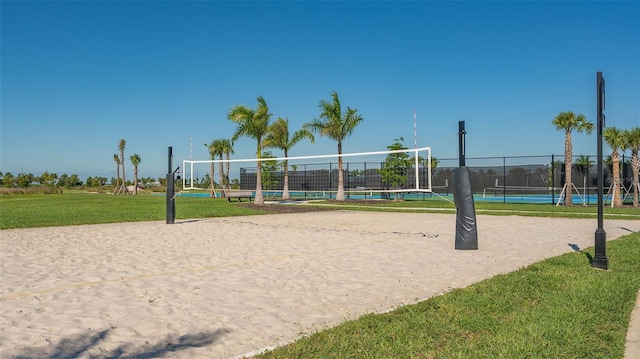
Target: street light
[600,258]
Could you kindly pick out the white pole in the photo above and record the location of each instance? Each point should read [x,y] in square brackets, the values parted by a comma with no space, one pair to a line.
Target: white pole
[415,131]
[191,175]
[417,171]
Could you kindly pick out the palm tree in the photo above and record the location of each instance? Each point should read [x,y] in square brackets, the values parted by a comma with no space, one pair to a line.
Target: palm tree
[226,147]
[252,123]
[567,122]
[633,143]
[117,161]
[219,146]
[582,165]
[214,151]
[278,137]
[616,140]
[121,145]
[135,161]
[336,125]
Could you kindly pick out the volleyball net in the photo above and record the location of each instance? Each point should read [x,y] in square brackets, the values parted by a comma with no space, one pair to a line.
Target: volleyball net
[372,174]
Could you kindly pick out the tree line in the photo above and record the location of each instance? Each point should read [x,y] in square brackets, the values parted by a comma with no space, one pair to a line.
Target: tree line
[121,185]
[619,140]
[337,123]
[26,180]
[334,122]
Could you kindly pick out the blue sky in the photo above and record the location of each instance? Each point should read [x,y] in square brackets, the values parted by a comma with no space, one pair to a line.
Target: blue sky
[78,76]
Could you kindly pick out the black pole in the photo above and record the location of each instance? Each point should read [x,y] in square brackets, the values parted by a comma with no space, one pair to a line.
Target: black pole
[600,258]
[461,143]
[171,208]
[466,226]
[553,180]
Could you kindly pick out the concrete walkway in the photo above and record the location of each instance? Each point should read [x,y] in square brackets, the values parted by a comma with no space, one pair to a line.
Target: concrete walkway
[633,334]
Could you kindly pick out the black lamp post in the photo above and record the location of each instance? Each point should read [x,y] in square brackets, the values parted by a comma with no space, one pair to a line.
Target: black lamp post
[600,258]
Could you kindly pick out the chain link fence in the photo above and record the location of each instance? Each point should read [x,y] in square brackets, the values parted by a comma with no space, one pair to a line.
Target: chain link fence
[534,179]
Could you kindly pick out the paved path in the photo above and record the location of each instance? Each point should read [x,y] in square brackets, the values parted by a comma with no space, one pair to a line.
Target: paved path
[633,334]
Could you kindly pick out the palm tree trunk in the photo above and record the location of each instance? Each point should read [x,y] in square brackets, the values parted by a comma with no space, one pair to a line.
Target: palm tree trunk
[285,188]
[617,201]
[221,171]
[568,183]
[635,165]
[228,166]
[212,170]
[135,180]
[115,191]
[259,197]
[340,194]
[124,181]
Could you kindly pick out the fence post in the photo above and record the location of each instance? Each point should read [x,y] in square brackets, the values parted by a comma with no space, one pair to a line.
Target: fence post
[553,179]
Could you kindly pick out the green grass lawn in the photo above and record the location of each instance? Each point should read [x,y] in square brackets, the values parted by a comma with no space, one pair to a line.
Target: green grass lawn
[558,308]
[538,210]
[40,210]
[23,211]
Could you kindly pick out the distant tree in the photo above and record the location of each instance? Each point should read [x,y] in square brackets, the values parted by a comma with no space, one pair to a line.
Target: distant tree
[633,144]
[269,168]
[279,137]
[42,179]
[135,161]
[67,181]
[226,147]
[215,150]
[116,159]
[148,181]
[396,166]
[25,180]
[96,181]
[121,147]
[220,146]
[582,165]
[75,180]
[616,140]
[423,162]
[567,122]
[337,125]
[63,180]
[253,123]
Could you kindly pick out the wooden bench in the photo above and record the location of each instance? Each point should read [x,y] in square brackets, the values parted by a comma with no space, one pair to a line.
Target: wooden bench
[229,193]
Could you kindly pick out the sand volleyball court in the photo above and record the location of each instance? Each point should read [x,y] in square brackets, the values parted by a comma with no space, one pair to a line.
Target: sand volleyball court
[226,287]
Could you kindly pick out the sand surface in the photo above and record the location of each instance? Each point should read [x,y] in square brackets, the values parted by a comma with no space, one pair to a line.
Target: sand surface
[226,287]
